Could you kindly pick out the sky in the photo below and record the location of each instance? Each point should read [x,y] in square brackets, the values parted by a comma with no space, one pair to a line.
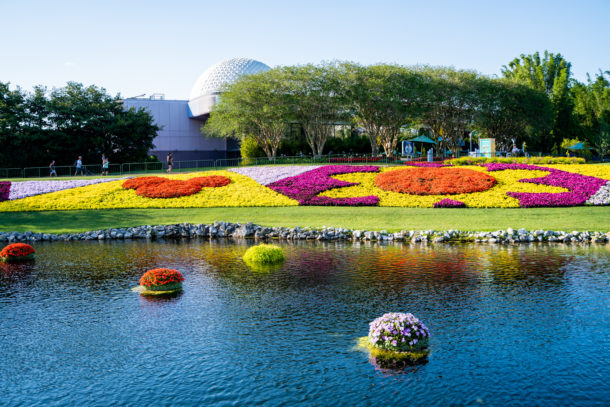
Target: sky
[135,47]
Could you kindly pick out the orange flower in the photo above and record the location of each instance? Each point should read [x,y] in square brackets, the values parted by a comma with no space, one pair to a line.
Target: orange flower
[434,181]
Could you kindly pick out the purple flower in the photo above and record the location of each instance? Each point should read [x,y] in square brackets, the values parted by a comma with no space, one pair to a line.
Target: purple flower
[449,203]
[306,186]
[268,175]
[5,188]
[30,188]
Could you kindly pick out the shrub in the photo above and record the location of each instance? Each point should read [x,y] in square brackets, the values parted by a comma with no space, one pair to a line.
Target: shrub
[515,160]
[249,149]
[264,254]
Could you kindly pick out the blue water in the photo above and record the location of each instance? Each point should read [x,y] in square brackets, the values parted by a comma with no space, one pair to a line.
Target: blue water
[523,325]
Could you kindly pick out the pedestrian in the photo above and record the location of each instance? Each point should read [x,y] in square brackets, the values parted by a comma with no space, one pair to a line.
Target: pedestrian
[79,166]
[170,162]
[52,169]
[105,164]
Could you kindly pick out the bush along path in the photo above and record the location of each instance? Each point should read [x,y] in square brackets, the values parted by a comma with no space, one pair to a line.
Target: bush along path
[220,230]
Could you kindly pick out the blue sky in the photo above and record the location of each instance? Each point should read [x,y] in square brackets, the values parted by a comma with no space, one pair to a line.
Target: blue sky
[135,47]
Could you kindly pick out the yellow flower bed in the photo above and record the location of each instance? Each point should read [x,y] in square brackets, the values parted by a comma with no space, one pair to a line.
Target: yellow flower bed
[242,191]
[508,180]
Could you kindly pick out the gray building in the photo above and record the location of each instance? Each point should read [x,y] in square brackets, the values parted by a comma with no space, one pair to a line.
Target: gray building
[181,120]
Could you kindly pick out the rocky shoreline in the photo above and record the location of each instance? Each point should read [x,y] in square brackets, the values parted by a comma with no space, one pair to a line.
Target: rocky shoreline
[221,230]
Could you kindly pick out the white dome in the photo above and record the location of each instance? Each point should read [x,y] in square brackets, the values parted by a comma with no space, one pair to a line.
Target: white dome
[225,72]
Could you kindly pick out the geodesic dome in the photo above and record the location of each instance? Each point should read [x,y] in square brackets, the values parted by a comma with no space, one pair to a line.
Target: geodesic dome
[226,72]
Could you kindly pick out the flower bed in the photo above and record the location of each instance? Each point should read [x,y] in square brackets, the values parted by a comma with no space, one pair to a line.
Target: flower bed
[581,187]
[449,203]
[17,252]
[157,187]
[434,181]
[305,187]
[19,190]
[161,281]
[490,185]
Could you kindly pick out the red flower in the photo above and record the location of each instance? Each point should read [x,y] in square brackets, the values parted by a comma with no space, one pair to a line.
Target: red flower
[17,250]
[161,277]
[158,187]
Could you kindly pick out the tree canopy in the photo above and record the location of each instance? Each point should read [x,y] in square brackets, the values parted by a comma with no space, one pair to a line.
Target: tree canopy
[64,123]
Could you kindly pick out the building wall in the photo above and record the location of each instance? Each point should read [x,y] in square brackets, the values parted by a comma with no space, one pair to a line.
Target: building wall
[179,134]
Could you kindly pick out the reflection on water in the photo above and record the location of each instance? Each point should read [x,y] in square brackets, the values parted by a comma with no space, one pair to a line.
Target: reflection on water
[526,324]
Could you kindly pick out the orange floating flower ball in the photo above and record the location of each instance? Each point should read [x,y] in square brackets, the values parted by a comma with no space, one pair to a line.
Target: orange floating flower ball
[17,252]
[162,280]
[435,181]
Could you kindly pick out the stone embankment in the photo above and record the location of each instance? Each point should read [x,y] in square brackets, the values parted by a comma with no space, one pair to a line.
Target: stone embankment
[235,230]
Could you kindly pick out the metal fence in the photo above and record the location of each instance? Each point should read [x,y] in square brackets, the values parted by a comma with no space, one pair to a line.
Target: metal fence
[191,165]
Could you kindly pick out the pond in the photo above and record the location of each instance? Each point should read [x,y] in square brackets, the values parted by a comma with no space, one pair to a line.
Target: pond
[510,325]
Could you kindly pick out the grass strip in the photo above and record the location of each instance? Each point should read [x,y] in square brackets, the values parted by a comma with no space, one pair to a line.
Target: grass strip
[363,218]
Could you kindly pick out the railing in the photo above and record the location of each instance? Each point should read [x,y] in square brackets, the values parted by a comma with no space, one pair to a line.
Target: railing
[191,165]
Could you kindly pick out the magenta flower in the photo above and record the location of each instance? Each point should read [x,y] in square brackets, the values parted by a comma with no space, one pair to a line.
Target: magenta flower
[449,203]
[305,187]
[581,187]
[5,189]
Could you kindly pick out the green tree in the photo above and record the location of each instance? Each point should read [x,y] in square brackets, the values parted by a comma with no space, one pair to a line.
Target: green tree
[255,105]
[551,75]
[71,121]
[12,136]
[383,99]
[508,110]
[592,109]
[314,101]
[450,103]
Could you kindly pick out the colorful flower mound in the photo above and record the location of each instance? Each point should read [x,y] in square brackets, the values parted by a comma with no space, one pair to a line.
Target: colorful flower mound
[434,181]
[506,185]
[449,203]
[398,332]
[264,254]
[305,187]
[162,280]
[158,187]
[581,187]
[17,251]
[5,188]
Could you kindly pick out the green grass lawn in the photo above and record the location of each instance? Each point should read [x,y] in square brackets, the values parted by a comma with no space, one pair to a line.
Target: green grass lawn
[364,218]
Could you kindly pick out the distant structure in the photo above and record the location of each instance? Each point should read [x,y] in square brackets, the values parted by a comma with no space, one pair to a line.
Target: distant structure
[181,120]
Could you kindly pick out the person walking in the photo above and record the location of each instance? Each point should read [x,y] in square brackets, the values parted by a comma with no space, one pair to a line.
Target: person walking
[53,173]
[79,166]
[105,164]
[170,162]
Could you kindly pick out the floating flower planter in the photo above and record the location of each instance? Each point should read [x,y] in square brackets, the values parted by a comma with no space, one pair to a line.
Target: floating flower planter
[396,340]
[264,254]
[17,252]
[160,282]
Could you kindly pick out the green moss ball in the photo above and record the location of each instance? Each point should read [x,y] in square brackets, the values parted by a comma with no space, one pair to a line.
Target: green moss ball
[264,254]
